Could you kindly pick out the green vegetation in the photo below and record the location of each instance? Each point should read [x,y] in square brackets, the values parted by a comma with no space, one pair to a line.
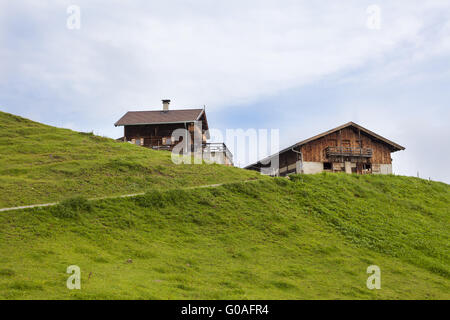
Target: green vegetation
[41,164]
[310,237]
[307,237]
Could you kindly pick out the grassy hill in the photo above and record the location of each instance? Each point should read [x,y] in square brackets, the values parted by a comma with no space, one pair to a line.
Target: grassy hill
[310,237]
[40,164]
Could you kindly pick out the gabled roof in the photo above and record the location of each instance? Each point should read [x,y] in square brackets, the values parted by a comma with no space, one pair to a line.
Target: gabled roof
[394,146]
[159,117]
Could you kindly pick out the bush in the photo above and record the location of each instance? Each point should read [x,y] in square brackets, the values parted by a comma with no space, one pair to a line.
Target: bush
[72,207]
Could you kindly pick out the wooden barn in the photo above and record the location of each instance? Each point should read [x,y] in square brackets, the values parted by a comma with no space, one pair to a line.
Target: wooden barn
[349,148]
[153,129]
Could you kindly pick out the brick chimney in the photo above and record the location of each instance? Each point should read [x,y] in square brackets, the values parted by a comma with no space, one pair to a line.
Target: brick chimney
[165,105]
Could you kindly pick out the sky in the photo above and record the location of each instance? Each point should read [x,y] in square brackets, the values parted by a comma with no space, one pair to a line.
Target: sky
[302,67]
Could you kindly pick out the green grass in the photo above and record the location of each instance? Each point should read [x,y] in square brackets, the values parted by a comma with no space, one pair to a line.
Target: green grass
[40,164]
[311,237]
[308,237]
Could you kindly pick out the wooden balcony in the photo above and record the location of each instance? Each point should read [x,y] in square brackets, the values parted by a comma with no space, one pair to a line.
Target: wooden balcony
[348,152]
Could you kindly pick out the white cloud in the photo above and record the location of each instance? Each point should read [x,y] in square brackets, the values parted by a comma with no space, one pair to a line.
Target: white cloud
[199,53]
[219,53]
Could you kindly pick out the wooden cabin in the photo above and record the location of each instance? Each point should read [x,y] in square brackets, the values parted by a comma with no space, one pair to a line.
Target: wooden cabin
[349,148]
[153,129]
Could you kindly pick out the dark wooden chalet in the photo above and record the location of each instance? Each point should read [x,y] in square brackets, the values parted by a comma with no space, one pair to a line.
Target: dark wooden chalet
[153,129]
[349,148]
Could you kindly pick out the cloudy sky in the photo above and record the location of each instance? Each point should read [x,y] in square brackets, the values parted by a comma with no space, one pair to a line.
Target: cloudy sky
[299,66]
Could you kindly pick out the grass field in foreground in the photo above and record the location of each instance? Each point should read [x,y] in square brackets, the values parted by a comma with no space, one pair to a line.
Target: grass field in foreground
[41,164]
[311,237]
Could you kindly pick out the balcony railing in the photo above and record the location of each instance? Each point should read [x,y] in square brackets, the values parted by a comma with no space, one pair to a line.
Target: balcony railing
[218,148]
[206,147]
[349,152]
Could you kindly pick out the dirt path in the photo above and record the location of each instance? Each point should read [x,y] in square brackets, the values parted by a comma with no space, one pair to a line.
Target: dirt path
[107,197]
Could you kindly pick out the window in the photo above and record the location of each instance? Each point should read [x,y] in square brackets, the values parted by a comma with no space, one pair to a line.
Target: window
[327,166]
[167,141]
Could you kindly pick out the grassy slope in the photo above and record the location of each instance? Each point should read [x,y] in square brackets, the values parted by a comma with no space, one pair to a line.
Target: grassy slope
[311,237]
[40,164]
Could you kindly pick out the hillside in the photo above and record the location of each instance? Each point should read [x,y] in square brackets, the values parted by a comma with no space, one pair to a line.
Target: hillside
[41,164]
[311,237]
[253,237]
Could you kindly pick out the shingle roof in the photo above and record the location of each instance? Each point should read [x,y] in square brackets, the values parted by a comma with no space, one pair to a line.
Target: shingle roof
[153,117]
